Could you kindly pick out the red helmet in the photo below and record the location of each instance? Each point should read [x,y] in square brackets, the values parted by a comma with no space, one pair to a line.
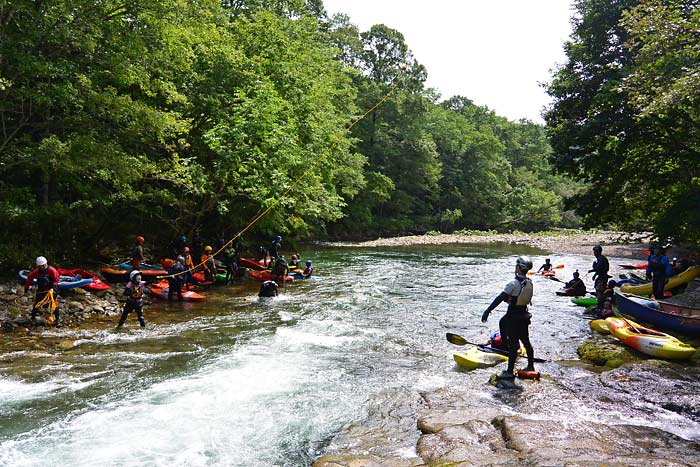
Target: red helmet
[140,239]
[186,249]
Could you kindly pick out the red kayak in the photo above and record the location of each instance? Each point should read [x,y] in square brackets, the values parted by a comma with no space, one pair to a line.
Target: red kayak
[253,264]
[122,275]
[266,275]
[95,285]
[550,273]
[187,295]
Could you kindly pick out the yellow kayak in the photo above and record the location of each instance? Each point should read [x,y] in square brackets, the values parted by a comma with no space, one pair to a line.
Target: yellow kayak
[481,357]
[648,341]
[599,325]
[673,282]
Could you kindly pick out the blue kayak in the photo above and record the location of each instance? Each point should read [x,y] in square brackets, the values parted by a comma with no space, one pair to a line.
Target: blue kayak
[64,282]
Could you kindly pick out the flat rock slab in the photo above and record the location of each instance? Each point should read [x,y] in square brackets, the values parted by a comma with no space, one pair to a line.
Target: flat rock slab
[517,441]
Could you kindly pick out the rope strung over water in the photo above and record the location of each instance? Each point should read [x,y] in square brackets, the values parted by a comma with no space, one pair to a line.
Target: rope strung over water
[320,159]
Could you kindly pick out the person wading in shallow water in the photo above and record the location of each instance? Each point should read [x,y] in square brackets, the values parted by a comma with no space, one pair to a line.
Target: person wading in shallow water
[47,290]
[514,324]
[134,299]
[600,278]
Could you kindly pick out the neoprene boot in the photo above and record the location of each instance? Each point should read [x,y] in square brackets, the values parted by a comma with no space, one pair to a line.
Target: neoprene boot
[505,374]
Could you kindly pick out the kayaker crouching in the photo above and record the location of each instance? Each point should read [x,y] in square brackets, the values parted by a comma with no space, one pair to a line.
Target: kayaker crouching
[514,324]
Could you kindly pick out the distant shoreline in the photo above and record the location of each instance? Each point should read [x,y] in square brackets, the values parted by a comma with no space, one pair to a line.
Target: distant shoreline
[615,244]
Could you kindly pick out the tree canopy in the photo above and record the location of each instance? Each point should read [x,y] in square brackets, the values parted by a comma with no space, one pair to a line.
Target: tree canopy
[159,118]
[625,115]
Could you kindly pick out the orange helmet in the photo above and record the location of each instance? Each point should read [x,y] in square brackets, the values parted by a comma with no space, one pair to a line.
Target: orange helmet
[139,239]
[294,256]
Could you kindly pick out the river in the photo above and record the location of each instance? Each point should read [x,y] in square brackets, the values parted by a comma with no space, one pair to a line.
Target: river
[237,381]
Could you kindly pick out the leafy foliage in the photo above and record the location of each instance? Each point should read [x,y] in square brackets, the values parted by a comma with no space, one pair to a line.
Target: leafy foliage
[625,115]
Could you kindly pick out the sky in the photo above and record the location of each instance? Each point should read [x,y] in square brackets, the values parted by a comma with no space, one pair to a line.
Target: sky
[494,52]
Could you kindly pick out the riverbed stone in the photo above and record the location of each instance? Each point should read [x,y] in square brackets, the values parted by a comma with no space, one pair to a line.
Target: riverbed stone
[605,352]
[75,305]
[333,460]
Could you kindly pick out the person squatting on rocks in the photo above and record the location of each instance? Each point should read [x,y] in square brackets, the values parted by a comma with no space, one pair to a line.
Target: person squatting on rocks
[134,298]
[46,290]
[600,268]
[514,324]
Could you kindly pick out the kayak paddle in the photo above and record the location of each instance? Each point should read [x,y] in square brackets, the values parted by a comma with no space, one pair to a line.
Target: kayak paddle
[456,339]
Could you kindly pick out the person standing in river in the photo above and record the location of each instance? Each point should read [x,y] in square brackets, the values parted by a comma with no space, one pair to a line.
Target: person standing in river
[47,290]
[514,326]
[600,278]
[134,298]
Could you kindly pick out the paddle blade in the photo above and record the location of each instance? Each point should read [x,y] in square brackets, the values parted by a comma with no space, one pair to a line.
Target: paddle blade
[559,266]
[455,339]
[529,273]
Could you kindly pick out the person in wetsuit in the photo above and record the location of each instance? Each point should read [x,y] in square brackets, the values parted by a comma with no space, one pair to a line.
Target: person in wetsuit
[576,285]
[134,298]
[515,323]
[600,268]
[275,247]
[547,266]
[46,290]
[176,278]
[658,270]
[137,256]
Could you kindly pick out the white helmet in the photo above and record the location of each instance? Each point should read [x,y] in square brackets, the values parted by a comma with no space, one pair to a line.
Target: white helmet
[133,274]
[40,261]
[523,263]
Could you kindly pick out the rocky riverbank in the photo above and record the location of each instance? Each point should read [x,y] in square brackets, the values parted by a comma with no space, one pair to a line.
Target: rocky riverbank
[77,307]
[617,244]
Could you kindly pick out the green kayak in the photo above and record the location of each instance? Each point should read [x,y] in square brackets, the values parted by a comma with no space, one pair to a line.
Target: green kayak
[585,301]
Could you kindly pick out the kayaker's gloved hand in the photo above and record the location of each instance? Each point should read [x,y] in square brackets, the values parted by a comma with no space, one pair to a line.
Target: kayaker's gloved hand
[485,316]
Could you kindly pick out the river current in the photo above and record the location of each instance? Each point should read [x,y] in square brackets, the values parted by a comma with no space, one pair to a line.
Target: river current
[239,381]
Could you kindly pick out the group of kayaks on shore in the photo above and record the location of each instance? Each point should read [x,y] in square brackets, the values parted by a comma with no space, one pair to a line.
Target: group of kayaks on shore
[171,279]
[617,313]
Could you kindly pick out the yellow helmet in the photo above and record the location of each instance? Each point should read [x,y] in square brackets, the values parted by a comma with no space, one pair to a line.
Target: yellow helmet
[207,248]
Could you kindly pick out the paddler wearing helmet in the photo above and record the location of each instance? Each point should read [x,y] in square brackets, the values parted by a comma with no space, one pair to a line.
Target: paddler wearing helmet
[134,298]
[47,290]
[308,270]
[137,253]
[514,325]
[208,264]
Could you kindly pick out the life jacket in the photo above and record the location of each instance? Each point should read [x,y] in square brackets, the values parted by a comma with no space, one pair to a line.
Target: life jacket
[134,291]
[524,298]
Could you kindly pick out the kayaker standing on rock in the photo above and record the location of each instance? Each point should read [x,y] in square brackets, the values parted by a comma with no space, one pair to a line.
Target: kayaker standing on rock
[658,271]
[275,247]
[137,253]
[600,278]
[514,324]
[46,290]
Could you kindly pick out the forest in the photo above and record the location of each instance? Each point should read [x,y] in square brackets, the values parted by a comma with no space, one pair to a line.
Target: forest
[167,117]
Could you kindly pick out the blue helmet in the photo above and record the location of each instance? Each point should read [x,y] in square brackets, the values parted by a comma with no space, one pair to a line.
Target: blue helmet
[278,238]
[308,262]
